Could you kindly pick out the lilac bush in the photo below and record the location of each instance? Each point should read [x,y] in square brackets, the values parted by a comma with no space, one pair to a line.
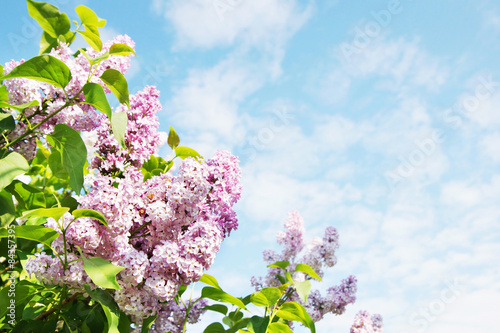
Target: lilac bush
[105,235]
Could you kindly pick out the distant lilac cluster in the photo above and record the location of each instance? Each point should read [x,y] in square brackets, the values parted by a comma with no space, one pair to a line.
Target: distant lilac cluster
[335,301]
[320,253]
[80,117]
[171,316]
[366,323]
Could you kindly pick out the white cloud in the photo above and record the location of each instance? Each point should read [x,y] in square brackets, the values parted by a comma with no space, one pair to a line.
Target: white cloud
[207,24]
[462,194]
[490,146]
[400,60]
[207,103]
[483,111]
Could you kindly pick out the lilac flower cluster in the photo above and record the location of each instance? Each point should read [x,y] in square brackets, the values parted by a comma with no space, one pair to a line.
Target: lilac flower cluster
[81,117]
[164,231]
[335,301]
[172,315]
[320,253]
[366,323]
[141,137]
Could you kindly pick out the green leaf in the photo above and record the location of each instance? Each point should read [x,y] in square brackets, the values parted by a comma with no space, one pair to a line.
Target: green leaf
[117,83]
[210,280]
[73,152]
[102,272]
[279,328]
[217,308]
[88,318]
[221,296]
[150,164]
[49,18]
[258,324]
[173,138]
[95,60]
[304,268]
[24,291]
[7,209]
[28,197]
[303,289]
[92,38]
[12,165]
[4,93]
[109,306]
[147,323]
[119,126]
[155,166]
[70,202]
[95,96]
[77,213]
[7,122]
[185,152]
[56,166]
[19,107]
[36,233]
[47,43]
[88,17]
[214,328]
[296,312]
[124,323]
[44,68]
[280,264]
[266,297]
[121,49]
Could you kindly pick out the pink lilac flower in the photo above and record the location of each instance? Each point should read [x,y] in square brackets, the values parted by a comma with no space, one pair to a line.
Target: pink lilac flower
[366,323]
[165,231]
[141,137]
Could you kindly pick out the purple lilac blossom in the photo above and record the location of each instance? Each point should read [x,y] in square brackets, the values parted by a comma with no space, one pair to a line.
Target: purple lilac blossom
[319,253]
[163,231]
[366,323]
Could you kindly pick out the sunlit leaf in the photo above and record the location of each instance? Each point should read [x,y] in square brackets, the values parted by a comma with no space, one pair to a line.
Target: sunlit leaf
[12,165]
[185,152]
[102,272]
[119,126]
[50,19]
[210,280]
[304,268]
[121,49]
[88,17]
[296,312]
[118,85]
[221,296]
[36,233]
[90,213]
[44,68]
[95,96]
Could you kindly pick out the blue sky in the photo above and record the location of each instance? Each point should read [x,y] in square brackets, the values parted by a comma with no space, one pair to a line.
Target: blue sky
[381,119]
